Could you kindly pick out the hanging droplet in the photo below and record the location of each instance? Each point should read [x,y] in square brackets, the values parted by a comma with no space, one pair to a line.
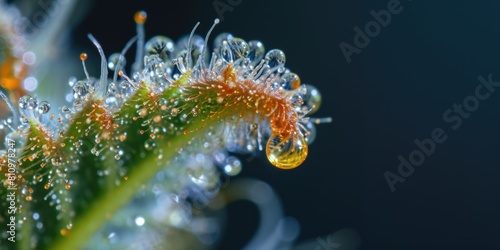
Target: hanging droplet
[276,58]
[257,51]
[312,99]
[161,46]
[232,166]
[23,102]
[286,154]
[43,107]
[290,81]
[113,61]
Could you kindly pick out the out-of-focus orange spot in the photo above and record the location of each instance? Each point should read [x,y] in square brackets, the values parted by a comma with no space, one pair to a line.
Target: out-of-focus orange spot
[140,17]
[12,73]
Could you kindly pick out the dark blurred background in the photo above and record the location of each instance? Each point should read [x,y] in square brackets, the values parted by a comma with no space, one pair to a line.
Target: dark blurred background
[396,90]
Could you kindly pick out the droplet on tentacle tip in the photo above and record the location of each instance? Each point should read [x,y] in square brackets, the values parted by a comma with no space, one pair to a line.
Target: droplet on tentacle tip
[276,58]
[80,89]
[257,51]
[43,107]
[312,99]
[140,17]
[296,100]
[32,103]
[239,48]
[286,154]
[290,81]
[160,45]
[83,56]
[23,102]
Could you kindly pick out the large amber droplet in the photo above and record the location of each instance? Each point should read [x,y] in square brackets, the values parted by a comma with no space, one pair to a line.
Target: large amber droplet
[286,154]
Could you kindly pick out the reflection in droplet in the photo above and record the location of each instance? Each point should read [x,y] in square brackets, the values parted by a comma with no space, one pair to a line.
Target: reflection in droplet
[286,154]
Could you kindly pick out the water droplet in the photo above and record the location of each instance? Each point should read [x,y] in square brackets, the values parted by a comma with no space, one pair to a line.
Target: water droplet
[312,99]
[65,109]
[290,81]
[286,154]
[43,107]
[276,58]
[125,85]
[239,48]
[232,166]
[257,51]
[23,102]
[161,46]
[197,43]
[32,103]
[80,89]
[296,100]
[112,89]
